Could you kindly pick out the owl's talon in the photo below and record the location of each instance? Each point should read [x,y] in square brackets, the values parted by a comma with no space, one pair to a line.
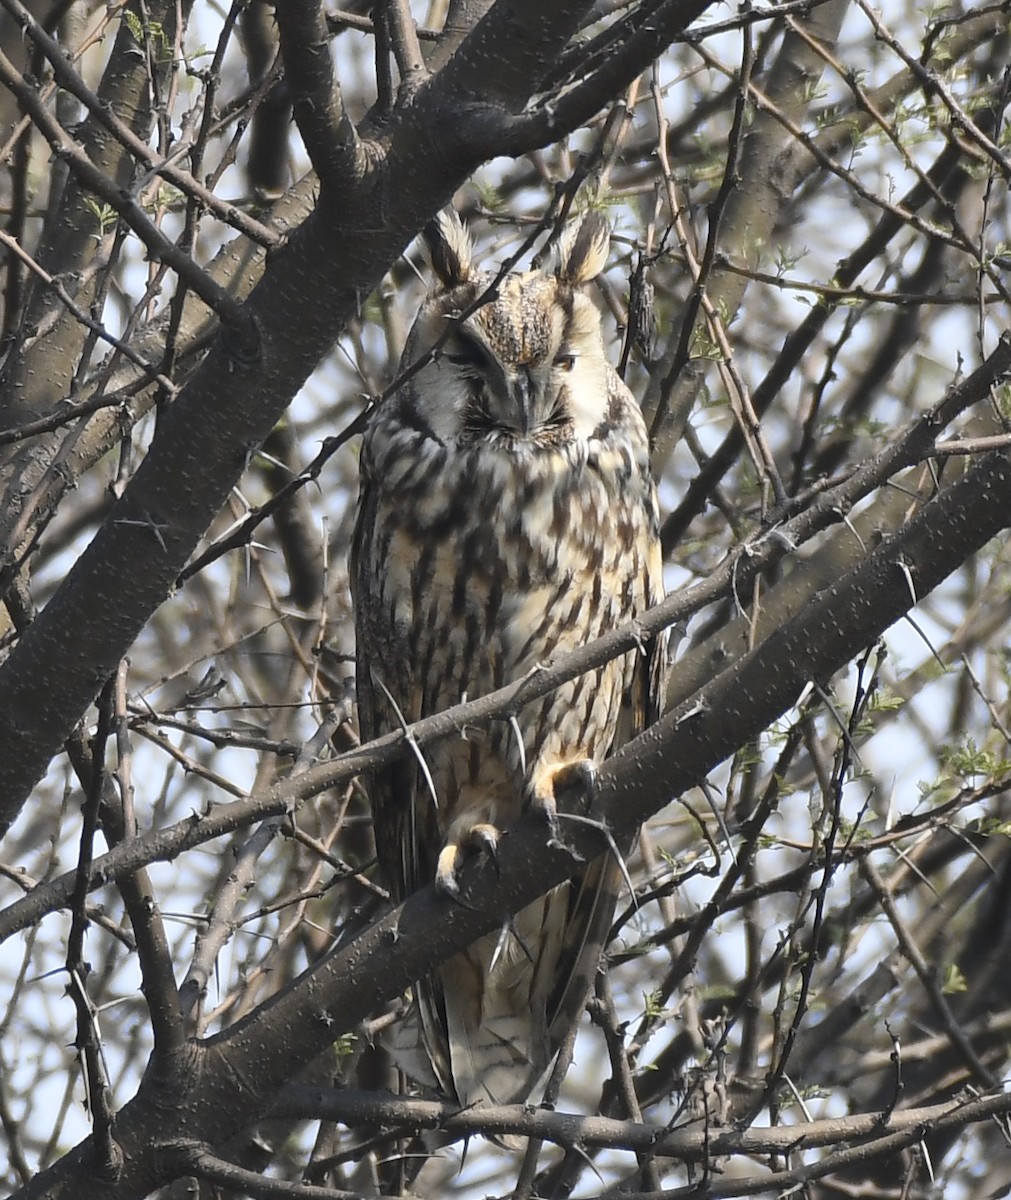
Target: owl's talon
[491,849]
[446,871]
[580,775]
[448,885]
[548,810]
[482,837]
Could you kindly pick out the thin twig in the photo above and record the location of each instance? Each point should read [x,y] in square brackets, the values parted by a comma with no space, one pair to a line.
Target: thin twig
[927,978]
[66,149]
[72,82]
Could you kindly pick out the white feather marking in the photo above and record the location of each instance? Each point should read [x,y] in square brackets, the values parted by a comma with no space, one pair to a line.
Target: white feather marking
[514,725]
[500,945]
[587,389]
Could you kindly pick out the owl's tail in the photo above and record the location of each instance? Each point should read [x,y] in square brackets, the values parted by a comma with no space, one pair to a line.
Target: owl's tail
[487,1026]
[496,997]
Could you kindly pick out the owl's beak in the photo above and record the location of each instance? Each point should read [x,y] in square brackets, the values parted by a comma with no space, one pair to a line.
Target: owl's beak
[521,392]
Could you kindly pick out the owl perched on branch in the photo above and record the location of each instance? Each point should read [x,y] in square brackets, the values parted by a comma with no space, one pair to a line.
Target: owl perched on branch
[507,515]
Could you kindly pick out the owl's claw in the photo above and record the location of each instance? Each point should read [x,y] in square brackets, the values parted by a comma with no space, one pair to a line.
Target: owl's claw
[491,849]
[581,775]
[483,836]
[547,808]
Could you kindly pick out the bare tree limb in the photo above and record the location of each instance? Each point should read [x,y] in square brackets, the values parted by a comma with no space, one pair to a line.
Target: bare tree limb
[557,115]
[691,1145]
[67,150]
[329,135]
[406,48]
[508,51]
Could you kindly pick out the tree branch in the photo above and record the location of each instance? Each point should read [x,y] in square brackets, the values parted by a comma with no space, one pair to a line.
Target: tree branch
[195,1158]
[461,17]
[508,52]
[328,132]
[406,48]
[556,116]
[353,1108]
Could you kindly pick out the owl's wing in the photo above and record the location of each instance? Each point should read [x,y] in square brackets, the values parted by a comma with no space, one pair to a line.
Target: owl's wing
[642,704]
[595,893]
[392,787]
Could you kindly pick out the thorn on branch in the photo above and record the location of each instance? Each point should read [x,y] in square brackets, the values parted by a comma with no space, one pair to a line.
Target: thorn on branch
[156,528]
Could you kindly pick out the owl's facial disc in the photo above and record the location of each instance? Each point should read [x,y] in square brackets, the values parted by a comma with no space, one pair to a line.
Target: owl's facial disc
[526,367]
[523,399]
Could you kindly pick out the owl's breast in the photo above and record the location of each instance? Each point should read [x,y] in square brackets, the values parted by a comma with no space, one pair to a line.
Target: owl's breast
[493,560]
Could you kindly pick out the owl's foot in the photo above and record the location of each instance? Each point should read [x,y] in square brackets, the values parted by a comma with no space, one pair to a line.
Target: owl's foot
[580,775]
[483,836]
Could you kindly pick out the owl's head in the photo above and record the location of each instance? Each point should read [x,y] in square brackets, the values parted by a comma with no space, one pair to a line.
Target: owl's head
[528,363]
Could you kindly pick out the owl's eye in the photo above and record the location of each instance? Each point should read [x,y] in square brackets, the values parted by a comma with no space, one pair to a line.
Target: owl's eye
[565,362]
[466,355]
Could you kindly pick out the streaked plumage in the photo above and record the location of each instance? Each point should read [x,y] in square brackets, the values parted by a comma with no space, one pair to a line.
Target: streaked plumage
[507,515]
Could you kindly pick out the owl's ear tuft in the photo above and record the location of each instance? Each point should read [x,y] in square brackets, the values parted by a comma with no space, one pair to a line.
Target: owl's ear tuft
[582,250]
[450,249]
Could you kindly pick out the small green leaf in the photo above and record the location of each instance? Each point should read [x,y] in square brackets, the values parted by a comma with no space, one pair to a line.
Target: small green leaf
[954,981]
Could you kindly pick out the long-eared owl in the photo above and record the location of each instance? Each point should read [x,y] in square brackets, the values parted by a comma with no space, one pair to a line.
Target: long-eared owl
[507,515]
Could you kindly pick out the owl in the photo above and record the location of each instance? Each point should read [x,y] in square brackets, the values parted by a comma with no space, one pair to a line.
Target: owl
[507,515]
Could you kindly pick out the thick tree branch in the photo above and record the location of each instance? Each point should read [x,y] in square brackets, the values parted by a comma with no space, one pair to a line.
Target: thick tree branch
[508,52]
[194,1158]
[556,116]
[461,17]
